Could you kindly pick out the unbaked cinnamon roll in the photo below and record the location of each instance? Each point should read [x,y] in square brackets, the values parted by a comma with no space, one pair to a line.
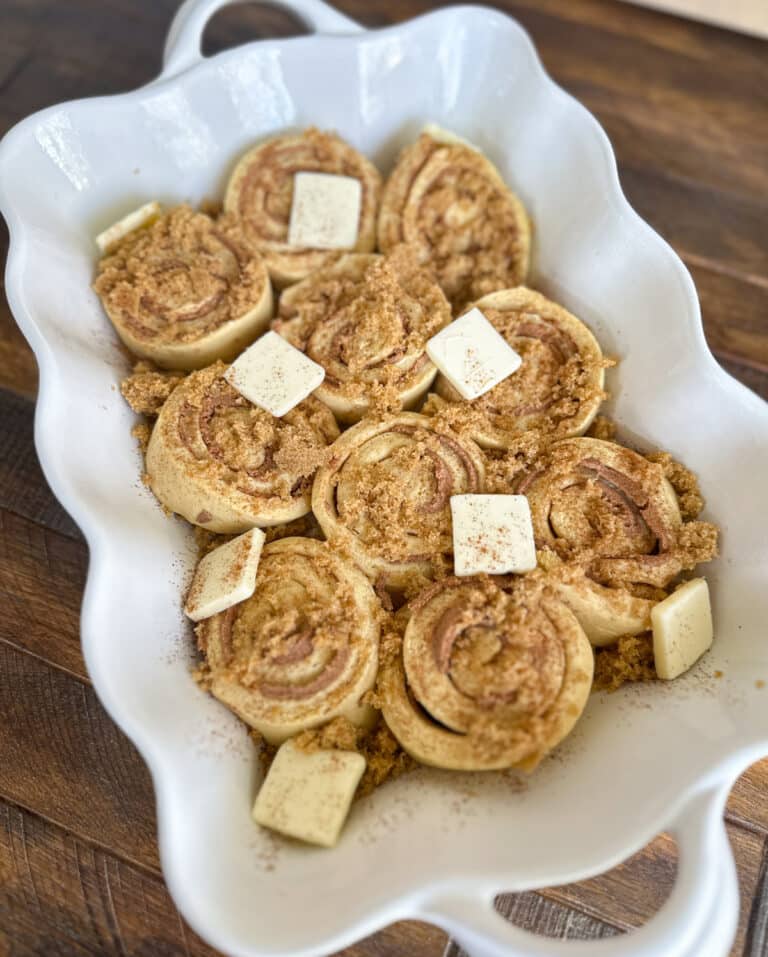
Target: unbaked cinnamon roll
[384,495]
[185,291]
[451,203]
[302,649]
[488,678]
[366,319]
[260,193]
[559,386]
[607,524]
[227,465]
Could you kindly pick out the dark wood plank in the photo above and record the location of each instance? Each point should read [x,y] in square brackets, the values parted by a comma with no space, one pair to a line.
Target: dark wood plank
[709,229]
[63,897]
[408,938]
[547,918]
[735,315]
[748,803]
[23,488]
[18,369]
[62,758]
[757,936]
[755,379]
[630,894]
[680,96]
[42,575]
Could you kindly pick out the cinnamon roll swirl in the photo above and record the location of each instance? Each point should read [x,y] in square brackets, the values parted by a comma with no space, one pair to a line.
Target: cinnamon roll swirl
[227,465]
[186,290]
[384,495]
[451,203]
[557,389]
[607,523]
[488,678]
[260,193]
[302,649]
[366,319]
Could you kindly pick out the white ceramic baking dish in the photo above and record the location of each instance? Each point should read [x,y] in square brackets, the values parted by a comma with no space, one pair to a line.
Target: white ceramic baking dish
[432,846]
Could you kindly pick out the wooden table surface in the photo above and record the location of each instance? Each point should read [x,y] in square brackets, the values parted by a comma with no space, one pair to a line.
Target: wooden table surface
[686,107]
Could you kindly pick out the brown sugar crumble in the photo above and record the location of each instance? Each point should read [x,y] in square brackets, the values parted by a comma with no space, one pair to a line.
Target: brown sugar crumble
[147,388]
[181,277]
[142,432]
[630,659]
[602,428]
[393,305]
[684,482]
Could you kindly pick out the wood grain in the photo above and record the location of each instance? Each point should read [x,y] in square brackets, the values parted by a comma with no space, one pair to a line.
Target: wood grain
[23,489]
[62,758]
[686,107]
[547,918]
[632,893]
[42,575]
[64,897]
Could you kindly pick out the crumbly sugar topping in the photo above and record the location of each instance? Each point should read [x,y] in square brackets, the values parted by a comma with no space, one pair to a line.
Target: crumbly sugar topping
[366,320]
[147,388]
[466,222]
[246,446]
[183,276]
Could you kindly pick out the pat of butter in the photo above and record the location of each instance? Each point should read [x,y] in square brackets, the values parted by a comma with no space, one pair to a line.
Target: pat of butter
[142,216]
[325,211]
[225,576]
[274,375]
[307,795]
[682,628]
[492,534]
[472,355]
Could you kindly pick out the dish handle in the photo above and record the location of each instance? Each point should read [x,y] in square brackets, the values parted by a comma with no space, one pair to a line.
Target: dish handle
[698,920]
[182,44]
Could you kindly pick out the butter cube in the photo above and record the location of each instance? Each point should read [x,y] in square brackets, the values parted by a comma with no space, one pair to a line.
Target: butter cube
[492,534]
[274,375]
[682,628]
[472,355]
[142,216]
[225,576]
[308,795]
[325,211]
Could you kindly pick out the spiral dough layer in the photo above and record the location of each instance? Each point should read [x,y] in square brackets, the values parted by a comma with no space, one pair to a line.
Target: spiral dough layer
[366,319]
[559,386]
[613,518]
[302,649]
[488,678]
[260,193]
[186,290]
[450,202]
[227,465]
[385,495]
